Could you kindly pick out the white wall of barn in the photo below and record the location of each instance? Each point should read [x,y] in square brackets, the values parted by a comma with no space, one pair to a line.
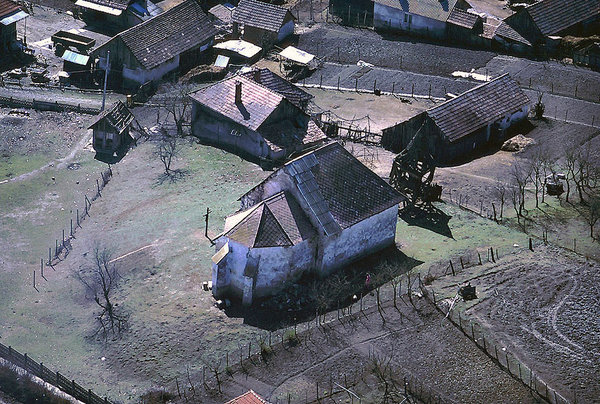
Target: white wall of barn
[510,119]
[386,17]
[228,277]
[362,239]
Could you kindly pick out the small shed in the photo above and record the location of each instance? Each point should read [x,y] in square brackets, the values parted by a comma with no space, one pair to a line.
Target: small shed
[78,66]
[239,51]
[264,24]
[111,128]
[10,13]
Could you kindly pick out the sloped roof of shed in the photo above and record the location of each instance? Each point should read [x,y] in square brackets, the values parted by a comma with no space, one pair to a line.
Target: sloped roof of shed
[272,81]
[258,102]
[169,34]
[259,14]
[434,9]
[462,18]
[118,116]
[554,16]
[275,222]
[506,31]
[478,107]
[8,7]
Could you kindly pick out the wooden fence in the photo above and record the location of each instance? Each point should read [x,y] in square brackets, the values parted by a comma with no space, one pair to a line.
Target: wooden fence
[54,378]
[46,105]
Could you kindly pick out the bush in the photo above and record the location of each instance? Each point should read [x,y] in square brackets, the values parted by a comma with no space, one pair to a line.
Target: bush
[156,397]
[291,338]
[24,389]
[265,351]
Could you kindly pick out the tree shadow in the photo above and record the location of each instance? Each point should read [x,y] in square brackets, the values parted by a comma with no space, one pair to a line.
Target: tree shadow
[172,177]
[300,300]
[427,217]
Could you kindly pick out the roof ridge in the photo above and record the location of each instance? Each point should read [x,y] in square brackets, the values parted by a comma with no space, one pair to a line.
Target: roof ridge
[468,91]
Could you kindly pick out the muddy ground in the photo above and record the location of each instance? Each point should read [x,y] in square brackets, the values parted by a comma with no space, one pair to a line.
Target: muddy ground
[543,306]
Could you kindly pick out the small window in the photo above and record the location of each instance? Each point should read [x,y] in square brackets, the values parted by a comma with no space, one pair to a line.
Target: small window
[410,19]
[405,17]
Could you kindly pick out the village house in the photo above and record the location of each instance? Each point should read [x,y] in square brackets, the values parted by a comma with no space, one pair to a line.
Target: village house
[422,17]
[540,22]
[111,128]
[249,397]
[317,213]
[116,14]
[246,117]
[10,13]
[264,24]
[468,122]
[175,40]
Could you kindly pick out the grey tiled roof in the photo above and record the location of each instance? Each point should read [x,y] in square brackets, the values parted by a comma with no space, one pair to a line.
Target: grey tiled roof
[260,15]
[169,34]
[478,107]
[506,31]
[434,9]
[553,16]
[117,4]
[463,19]
[350,191]
[118,116]
[258,102]
[275,222]
[272,81]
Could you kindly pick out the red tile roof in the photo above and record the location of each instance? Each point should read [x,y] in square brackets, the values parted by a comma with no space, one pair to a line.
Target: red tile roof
[8,7]
[248,398]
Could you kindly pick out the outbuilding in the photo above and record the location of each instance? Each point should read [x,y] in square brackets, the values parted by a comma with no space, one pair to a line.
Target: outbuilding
[463,124]
[111,15]
[317,213]
[10,13]
[264,24]
[111,128]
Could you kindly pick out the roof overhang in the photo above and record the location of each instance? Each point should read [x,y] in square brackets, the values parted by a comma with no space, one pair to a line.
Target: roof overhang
[222,253]
[297,55]
[76,58]
[243,48]
[98,7]
[14,17]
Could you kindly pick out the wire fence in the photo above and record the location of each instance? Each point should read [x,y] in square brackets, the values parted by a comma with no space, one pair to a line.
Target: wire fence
[46,105]
[54,378]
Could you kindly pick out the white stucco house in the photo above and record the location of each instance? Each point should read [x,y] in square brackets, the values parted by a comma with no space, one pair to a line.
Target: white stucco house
[317,213]
[421,17]
[175,39]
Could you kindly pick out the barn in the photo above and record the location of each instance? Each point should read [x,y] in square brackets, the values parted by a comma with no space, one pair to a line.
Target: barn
[466,123]
[244,116]
[264,24]
[174,40]
[111,128]
[319,212]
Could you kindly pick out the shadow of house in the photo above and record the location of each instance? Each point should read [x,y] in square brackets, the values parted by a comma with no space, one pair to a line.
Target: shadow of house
[247,118]
[174,40]
[264,24]
[316,214]
[427,217]
[111,129]
[462,126]
[10,14]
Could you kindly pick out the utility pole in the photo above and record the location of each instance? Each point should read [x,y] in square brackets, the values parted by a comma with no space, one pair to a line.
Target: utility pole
[107,68]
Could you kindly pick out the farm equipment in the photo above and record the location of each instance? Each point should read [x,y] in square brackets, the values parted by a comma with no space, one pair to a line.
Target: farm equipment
[413,170]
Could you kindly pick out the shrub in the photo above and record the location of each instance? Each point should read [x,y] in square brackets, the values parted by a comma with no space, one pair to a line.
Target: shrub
[291,338]
[156,397]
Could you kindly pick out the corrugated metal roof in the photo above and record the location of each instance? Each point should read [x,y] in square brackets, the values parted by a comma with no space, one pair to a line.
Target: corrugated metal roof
[14,17]
[478,107]
[434,9]
[76,58]
[259,14]
[554,16]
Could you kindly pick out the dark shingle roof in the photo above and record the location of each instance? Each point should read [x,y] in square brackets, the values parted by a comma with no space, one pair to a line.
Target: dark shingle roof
[167,35]
[272,81]
[478,107]
[506,31]
[116,4]
[275,222]
[118,116]
[260,15]
[8,7]
[258,102]
[462,18]
[553,16]
[336,185]
[434,9]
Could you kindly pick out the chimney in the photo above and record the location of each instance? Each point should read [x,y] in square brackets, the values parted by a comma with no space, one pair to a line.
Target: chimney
[257,76]
[238,92]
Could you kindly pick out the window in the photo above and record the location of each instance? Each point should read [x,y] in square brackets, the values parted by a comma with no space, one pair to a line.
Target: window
[109,140]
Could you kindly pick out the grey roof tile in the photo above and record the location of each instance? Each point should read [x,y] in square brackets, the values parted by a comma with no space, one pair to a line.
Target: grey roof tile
[434,9]
[260,15]
[554,16]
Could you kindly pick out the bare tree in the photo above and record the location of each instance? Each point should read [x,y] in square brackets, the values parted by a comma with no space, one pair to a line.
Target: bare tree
[167,149]
[100,278]
[593,213]
[178,105]
[536,168]
[499,192]
[520,179]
